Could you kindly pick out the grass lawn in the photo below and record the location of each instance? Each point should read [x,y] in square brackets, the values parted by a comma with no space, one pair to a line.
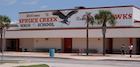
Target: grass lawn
[40,65]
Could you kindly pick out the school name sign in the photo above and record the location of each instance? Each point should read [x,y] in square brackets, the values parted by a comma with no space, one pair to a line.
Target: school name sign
[70,18]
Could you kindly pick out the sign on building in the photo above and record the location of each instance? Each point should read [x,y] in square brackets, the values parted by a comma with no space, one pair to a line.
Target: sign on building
[71,18]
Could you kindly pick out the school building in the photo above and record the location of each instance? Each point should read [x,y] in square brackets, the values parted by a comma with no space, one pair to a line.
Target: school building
[65,30]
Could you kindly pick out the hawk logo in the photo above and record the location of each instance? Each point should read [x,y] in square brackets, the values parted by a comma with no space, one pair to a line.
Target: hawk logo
[64,17]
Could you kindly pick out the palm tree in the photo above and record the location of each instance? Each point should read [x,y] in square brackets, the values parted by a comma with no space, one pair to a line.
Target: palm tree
[89,19]
[104,17]
[4,23]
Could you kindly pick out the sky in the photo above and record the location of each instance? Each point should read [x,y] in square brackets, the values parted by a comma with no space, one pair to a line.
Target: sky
[12,8]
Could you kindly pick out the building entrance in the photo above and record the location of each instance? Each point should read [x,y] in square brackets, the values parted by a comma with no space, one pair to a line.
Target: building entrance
[138,46]
[67,45]
[12,44]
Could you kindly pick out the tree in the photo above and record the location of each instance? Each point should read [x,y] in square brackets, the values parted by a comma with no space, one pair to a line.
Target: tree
[4,23]
[104,17]
[89,20]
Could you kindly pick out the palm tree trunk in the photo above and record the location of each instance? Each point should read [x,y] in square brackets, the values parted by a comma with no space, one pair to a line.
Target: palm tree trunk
[104,40]
[1,44]
[1,40]
[87,40]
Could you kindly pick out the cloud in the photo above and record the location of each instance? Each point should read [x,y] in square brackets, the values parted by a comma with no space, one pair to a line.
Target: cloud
[14,22]
[30,2]
[8,2]
[44,7]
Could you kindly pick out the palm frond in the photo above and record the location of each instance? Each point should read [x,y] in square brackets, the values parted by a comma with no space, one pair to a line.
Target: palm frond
[89,18]
[4,21]
[105,16]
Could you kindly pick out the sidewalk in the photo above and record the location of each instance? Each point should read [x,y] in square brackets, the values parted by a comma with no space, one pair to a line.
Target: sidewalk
[75,56]
[116,57]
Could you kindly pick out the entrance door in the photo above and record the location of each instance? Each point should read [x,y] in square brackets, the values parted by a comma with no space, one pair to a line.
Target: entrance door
[109,45]
[12,45]
[138,46]
[67,45]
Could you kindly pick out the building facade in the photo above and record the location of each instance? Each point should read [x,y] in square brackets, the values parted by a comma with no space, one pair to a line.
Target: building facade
[65,30]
